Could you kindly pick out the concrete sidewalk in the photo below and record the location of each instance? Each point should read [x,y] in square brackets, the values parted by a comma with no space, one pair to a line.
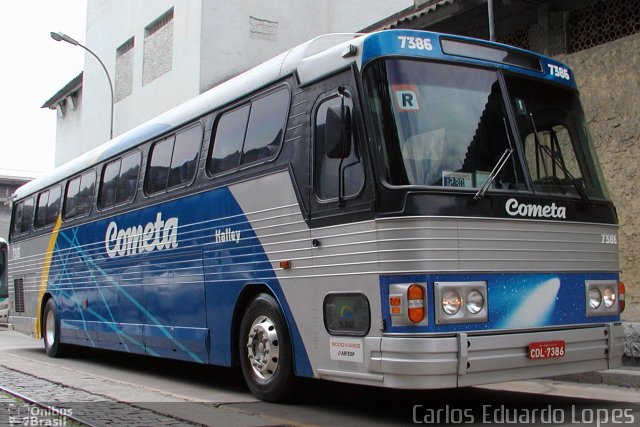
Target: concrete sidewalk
[625,376]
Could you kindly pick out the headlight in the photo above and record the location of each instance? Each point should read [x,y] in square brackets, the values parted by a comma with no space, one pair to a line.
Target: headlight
[595,298]
[609,297]
[451,302]
[475,301]
[603,298]
[461,302]
[4,306]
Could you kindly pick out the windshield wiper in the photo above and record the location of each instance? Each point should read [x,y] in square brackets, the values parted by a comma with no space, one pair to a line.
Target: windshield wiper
[499,165]
[543,148]
[494,173]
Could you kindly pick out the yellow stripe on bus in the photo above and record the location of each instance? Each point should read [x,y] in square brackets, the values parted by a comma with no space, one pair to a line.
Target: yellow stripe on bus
[44,279]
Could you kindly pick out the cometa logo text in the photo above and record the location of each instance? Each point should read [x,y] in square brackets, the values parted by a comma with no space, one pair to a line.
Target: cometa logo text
[515,208]
[158,235]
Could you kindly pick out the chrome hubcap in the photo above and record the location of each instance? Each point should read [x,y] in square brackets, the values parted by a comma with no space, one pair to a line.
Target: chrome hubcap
[263,347]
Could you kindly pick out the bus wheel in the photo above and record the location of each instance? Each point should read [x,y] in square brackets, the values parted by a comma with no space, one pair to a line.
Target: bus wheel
[265,350]
[51,331]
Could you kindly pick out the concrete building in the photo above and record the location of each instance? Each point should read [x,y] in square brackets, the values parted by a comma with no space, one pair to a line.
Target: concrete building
[10,180]
[161,53]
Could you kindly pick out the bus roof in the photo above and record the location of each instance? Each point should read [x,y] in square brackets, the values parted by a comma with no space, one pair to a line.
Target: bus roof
[310,62]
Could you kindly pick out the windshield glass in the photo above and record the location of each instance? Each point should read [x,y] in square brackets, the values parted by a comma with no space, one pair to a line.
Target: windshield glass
[557,146]
[445,125]
[4,288]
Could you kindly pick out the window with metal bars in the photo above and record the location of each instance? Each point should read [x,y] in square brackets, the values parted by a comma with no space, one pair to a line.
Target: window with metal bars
[602,22]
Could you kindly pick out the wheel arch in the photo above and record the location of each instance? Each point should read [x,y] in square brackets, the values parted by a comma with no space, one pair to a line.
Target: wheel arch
[45,299]
[247,294]
[300,359]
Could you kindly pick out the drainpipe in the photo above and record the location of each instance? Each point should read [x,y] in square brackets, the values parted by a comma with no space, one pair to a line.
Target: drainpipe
[492,33]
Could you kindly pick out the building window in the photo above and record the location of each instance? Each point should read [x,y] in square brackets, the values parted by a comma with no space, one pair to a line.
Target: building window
[158,47]
[124,70]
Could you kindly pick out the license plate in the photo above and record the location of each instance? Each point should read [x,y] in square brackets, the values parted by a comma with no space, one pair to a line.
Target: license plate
[546,350]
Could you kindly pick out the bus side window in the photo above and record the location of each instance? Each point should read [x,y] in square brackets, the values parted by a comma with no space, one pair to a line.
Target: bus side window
[18,212]
[250,133]
[53,207]
[119,181]
[326,175]
[109,184]
[184,161]
[41,209]
[23,224]
[70,200]
[128,178]
[173,161]
[266,126]
[85,195]
[48,207]
[228,140]
[159,164]
[79,195]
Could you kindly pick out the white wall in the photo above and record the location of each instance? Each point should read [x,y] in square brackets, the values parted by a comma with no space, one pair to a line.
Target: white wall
[355,15]
[229,47]
[68,144]
[111,23]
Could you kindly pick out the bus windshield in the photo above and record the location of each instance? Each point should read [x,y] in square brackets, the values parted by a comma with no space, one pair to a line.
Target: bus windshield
[558,148]
[445,125]
[4,288]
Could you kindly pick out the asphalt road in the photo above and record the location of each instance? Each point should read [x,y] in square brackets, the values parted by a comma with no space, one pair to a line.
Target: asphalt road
[216,396]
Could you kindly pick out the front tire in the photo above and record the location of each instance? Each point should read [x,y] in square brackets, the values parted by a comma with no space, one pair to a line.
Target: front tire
[51,331]
[265,350]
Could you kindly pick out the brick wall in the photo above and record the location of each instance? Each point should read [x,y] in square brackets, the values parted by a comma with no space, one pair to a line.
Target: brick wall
[608,77]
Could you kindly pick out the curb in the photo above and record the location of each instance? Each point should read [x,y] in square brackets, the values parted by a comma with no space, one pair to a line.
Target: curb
[622,377]
[626,376]
[632,339]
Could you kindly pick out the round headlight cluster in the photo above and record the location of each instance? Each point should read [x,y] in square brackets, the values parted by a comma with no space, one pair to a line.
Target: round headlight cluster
[595,298]
[452,302]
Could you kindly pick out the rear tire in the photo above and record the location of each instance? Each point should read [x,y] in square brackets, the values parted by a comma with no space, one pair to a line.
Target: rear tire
[265,351]
[51,331]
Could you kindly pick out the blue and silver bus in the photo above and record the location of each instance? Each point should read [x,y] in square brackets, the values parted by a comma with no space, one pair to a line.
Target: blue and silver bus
[400,209]
[4,288]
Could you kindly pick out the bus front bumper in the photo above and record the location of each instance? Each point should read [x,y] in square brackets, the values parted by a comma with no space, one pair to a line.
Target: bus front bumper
[473,359]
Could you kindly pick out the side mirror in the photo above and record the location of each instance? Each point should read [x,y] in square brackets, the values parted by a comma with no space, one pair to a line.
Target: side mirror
[337,132]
